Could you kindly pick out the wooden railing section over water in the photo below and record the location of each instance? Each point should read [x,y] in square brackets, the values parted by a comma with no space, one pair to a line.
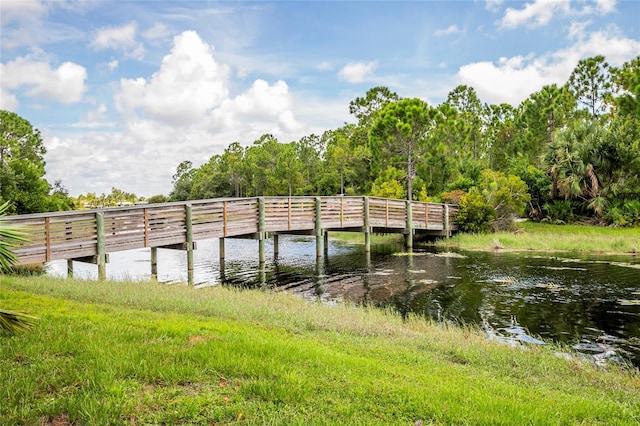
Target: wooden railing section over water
[90,235]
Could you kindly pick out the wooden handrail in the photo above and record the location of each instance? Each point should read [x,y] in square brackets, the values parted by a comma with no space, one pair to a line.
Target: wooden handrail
[75,234]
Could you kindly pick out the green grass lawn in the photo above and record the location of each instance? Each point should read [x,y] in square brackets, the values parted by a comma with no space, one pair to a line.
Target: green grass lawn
[541,236]
[146,353]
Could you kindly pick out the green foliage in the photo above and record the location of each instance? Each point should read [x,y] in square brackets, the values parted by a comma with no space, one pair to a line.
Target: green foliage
[156,199]
[22,168]
[627,85]
[538,183]
[400,135]
[10,238]
[388,185]
[475,214]
[508,194]
[590,83]
[623,214]
[559,211]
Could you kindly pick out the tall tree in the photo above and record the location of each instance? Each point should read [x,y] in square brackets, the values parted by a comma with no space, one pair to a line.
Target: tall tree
[364,109]
[400,134]
[590,83]
[474,114]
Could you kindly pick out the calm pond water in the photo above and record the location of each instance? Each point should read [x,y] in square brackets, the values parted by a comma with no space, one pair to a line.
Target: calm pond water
[589,302]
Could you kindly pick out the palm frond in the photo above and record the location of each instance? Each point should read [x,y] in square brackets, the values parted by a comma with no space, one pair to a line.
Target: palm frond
[14,322]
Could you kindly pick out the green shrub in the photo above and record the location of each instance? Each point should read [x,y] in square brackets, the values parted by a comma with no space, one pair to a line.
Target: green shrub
[559,211]
[475,214]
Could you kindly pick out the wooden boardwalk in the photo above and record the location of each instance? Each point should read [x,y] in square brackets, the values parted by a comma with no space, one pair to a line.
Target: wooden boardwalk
[90,235]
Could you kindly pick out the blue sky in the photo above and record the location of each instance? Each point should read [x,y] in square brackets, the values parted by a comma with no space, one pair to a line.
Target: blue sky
[123,91]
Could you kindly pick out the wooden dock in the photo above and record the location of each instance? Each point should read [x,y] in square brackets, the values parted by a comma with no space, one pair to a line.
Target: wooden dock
[90,235]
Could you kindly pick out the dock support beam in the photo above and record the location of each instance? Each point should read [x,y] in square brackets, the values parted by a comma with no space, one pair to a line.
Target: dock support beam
[154,263]
[319,227]
[367,228]
[261,232]
[70,268]
[445,221]
[102,253]
[276,248]
[409,228]
[221,249]
[188,223]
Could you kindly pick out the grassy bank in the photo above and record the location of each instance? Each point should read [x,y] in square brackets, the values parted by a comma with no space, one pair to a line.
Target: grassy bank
[541,236]
[145,353]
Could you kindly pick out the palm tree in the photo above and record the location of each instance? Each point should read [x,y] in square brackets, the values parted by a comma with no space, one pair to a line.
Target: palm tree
[11,322]
[572,164]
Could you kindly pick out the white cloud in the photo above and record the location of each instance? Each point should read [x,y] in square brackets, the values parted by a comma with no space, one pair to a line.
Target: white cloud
[65,84]
[262,106]
[357,72]
[493,5]
[450,30]
[512,80]
[540,12]
[22,10]
[122,38]
[95,119]
[158,31]
[325,66]
[188,84]
[8,100]
[534,14]
[115,37]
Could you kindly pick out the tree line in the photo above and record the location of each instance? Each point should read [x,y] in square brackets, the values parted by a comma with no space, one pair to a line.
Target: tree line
[566,153]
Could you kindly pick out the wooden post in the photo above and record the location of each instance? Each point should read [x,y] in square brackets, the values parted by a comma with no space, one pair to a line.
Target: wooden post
[445,221]
[70,268]
[261,232]
[367,227]
[409,227]
[276,248]
[154,263]
[221,249]
[326,242]
[101,247]
[189,225]
[318,227]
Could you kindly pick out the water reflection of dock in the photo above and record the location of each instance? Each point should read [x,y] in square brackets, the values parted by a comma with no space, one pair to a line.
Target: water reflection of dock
[89,236]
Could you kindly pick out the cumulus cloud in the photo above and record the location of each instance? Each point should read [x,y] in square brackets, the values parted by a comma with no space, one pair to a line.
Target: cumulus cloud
[357,72]
[512,80]
[65,84]
[188,84]
[450,30]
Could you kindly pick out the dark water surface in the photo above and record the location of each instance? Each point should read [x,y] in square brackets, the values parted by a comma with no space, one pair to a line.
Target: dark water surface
[589,302]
